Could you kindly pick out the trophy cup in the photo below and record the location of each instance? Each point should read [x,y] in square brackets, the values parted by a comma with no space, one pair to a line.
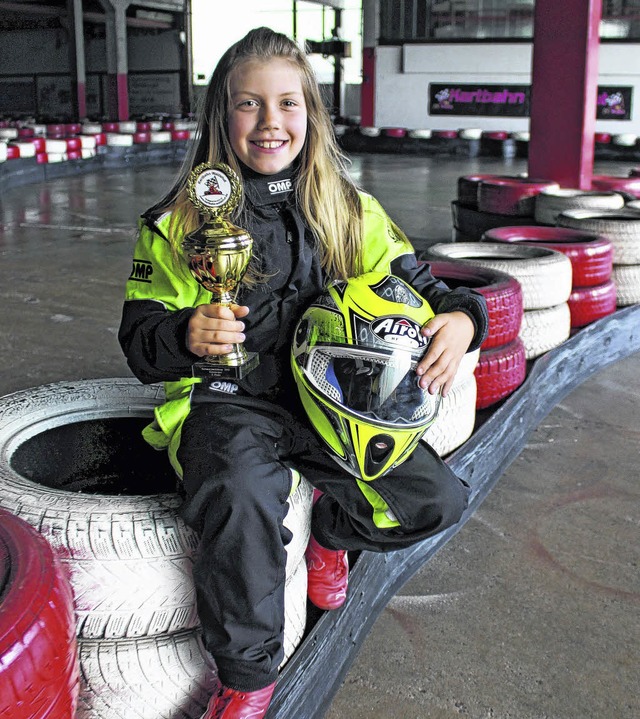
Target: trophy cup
[218,254]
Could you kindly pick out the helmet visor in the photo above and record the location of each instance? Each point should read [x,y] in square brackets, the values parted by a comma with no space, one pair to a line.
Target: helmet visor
[381,386]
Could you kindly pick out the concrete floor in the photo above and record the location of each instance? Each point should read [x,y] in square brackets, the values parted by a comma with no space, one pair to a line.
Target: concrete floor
[532,610]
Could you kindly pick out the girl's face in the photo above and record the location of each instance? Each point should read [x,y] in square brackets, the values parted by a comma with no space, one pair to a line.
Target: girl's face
[267,114]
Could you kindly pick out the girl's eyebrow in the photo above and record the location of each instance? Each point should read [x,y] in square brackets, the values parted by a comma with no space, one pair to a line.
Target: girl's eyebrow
[257,94]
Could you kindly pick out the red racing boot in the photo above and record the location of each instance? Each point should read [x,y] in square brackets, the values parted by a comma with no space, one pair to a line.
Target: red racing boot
[233,704]
[328,575]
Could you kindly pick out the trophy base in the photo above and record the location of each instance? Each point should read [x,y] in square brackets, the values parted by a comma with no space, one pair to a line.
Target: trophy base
[215,370]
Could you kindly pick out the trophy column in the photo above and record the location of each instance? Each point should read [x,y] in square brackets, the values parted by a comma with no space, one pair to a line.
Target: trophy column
[218,254]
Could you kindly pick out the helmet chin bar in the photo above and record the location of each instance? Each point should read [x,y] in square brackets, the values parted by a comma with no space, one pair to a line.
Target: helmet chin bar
[377,453]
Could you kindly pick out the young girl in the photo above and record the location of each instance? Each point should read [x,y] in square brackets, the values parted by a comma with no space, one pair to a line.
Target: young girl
[232,442]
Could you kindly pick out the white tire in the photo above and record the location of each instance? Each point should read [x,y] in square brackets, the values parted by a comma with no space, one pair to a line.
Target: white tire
[624,139]
[544,329]
[550,203]
[470,133]
[26,149]
[626,278]
[544,274]
[633,205]
[91,128]
[128,127]
[523,136]
[620,227]
[115,139]
[456,418]
[370,131]
[162,136]
[8,133]
[129,556]
[3,151]
[88,142]
[420,134]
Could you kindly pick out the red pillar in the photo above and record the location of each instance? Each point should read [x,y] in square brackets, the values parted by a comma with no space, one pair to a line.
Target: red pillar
[564,87]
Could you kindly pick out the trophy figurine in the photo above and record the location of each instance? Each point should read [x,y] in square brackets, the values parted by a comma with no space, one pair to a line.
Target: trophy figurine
[218,254]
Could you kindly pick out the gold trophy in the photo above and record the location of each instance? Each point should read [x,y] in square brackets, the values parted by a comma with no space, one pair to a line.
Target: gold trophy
[218,254]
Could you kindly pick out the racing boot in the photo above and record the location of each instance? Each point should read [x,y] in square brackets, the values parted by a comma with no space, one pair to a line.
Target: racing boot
[328,575]
[233,704]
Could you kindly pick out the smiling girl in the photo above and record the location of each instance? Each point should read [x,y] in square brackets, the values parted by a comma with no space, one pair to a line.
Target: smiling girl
[232,443]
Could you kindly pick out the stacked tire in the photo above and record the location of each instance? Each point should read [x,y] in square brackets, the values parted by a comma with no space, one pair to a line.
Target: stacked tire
[74,466]
[39,674]
[593,292]
[622,229]
[488,201]
[501,363]
[545,278]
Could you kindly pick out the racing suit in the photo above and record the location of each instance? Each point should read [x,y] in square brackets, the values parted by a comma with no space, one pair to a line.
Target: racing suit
[234,443]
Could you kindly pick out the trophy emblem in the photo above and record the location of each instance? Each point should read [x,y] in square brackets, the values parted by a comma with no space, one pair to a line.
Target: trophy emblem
[218,254]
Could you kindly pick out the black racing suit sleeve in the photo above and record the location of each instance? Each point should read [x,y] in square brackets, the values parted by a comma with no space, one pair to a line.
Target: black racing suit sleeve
[153,340]
[441,298]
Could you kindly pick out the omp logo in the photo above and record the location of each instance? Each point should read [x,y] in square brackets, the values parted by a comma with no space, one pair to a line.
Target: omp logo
[398,331]
[279,186]
[141,271]
[221,386]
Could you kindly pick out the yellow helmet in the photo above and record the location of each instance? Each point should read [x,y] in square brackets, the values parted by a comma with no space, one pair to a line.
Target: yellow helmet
[353,357]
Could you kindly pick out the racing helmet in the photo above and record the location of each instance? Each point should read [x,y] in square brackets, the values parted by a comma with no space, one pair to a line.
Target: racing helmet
[353,356]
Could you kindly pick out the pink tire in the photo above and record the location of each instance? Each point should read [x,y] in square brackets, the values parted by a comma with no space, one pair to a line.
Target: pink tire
[511,196]
[39,674]
[502,293]
[495,135]
[591,255]
[588,304]
[468,188]
[629,185]
[394,131]
[500,372]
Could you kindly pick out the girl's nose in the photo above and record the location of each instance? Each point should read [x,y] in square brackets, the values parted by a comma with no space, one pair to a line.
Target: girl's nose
[269,118]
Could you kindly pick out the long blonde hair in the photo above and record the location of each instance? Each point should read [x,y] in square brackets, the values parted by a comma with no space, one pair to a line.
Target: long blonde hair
[326,195]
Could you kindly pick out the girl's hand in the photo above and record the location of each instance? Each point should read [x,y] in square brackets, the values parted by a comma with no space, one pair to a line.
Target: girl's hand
[451,334]
[214,328]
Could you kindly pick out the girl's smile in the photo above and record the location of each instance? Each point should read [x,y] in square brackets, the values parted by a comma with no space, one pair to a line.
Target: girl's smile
[267,114]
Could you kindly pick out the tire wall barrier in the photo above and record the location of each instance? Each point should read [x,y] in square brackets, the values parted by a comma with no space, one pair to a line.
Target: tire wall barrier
[74,466]
[593,294]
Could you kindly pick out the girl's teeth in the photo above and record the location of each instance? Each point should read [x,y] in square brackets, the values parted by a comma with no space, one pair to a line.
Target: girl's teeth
[272,145]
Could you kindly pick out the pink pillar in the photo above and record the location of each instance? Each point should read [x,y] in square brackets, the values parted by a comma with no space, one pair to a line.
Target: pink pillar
[368,89]
[564,91]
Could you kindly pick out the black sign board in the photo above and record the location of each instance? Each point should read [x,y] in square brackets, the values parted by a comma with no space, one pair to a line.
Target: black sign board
[469,99]
[614,102]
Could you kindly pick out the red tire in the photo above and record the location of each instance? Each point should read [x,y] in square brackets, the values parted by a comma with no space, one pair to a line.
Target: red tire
[141,137]
[495,135]
[143,126]
[500,372]
[501,291]
[39,674]
[511,196]
[445,134]
[394,131]
[180,135]
[602,138]
[588,304]
[110,126]
[468,188]
[629,185]
[591,255]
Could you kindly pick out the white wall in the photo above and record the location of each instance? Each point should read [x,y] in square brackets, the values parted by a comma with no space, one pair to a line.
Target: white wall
[403,75]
